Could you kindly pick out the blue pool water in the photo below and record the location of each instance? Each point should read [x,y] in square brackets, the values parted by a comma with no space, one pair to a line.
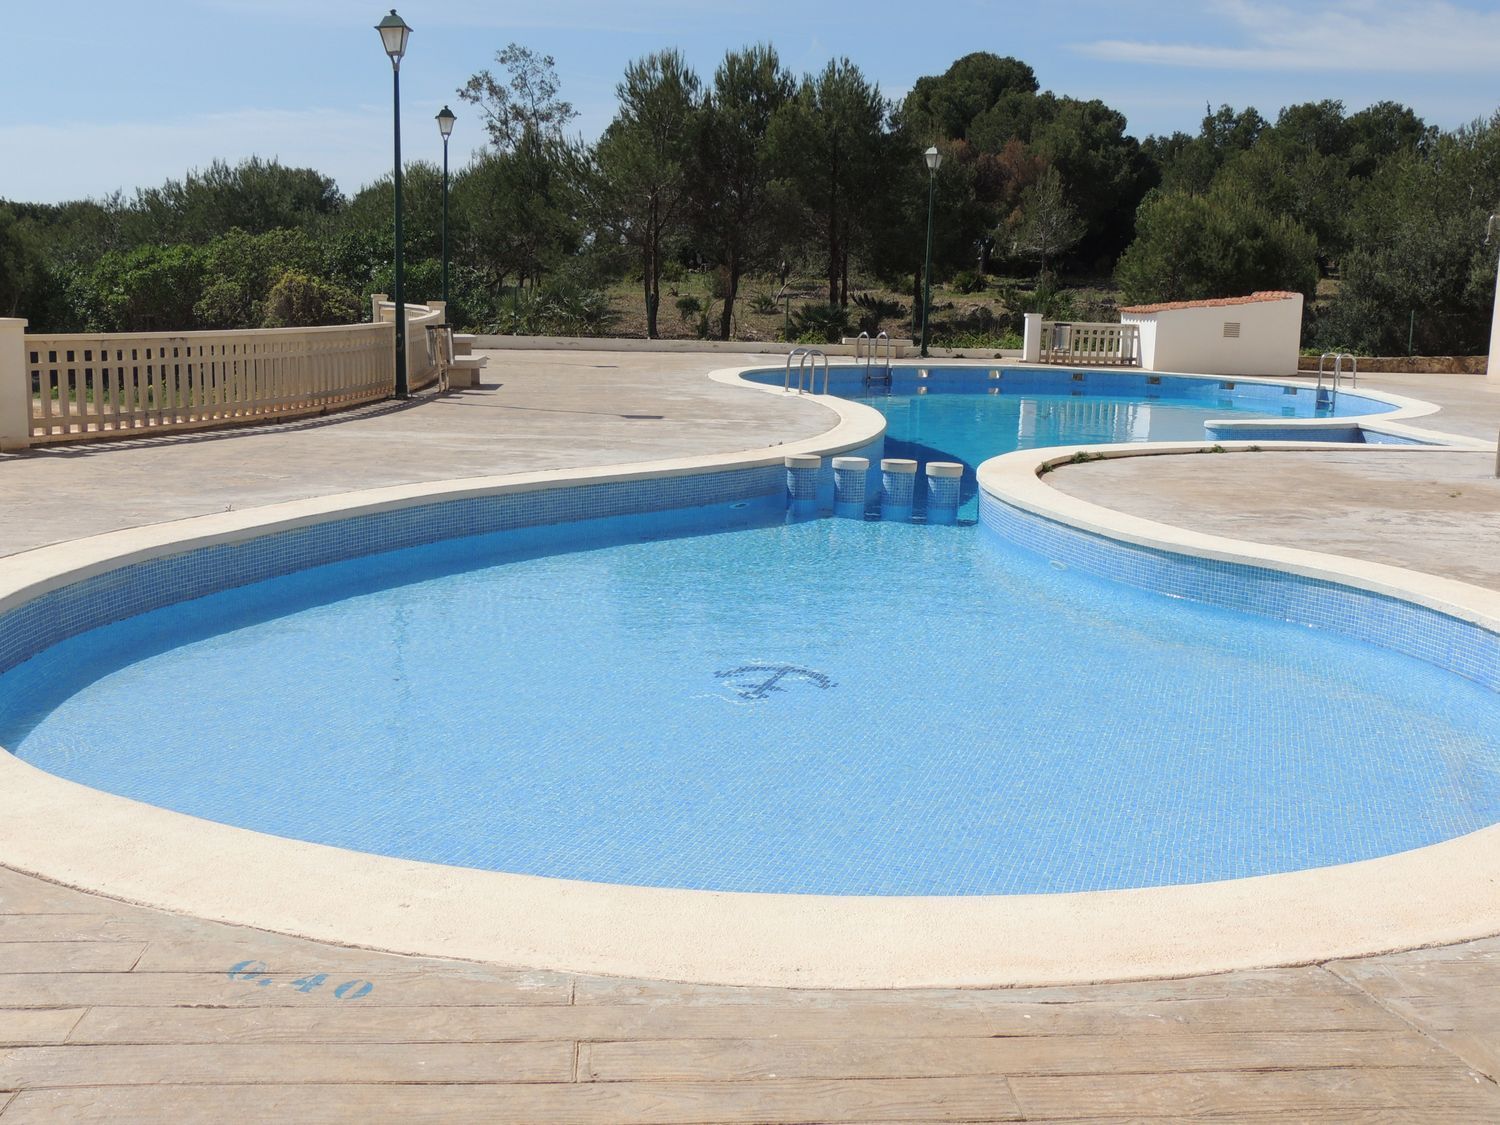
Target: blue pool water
[831,706]
[969,414]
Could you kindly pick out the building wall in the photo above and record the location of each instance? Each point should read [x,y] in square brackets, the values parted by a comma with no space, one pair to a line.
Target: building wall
[1193,339]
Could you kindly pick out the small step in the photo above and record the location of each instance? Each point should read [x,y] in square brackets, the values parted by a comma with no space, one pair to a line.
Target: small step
[464,370]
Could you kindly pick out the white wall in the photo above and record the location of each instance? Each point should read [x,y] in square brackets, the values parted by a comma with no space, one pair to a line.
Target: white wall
[1193,339]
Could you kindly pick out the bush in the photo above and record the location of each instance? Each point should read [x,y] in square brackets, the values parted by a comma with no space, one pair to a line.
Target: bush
[820,324]
[689,306]
[967,281]
[1189,247]
[766,305]
[978,341]
[556,309]
[300,300]
[876,312]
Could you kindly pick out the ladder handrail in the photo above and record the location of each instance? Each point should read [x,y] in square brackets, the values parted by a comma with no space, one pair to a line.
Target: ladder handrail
[1338,372]
[786,382]
[810,356]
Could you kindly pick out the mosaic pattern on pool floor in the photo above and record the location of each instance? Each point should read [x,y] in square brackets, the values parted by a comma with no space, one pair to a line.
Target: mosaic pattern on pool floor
[834,706]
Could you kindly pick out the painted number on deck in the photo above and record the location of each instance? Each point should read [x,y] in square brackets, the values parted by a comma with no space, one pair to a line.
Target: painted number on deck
[255,972]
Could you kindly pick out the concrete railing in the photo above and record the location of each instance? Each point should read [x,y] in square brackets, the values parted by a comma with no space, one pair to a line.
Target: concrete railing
[91,386]
[1095,344]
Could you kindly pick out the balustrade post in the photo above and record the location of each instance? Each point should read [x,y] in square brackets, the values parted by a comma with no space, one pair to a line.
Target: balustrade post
[15,386]
[1031,344]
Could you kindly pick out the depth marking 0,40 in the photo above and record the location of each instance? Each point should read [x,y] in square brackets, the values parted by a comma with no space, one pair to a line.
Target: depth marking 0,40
[254,972]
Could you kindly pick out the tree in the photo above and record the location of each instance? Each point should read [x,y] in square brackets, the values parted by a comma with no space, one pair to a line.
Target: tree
[518,201]
[945,107]
[1047,225]
[1418,264]
[22,272]
[524,105]
[830,145]
[1107,176]
[1190,247]
[254,196]
[148,289]
[734,207]
[1194,163]
[642,163]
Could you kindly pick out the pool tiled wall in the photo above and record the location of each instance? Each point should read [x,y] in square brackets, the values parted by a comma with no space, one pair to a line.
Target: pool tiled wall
[1438,638]
[141,587]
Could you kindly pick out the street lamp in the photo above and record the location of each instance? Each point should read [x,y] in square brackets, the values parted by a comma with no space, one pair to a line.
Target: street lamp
[393,36]
[445,120]
[934,161]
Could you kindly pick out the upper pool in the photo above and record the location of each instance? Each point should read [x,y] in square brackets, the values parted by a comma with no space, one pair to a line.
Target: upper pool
[970,414]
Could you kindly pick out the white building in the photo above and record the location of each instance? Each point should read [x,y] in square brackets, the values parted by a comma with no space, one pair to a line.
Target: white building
[1256,335]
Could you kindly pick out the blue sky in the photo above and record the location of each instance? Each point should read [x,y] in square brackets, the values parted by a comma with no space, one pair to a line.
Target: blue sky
[97,96]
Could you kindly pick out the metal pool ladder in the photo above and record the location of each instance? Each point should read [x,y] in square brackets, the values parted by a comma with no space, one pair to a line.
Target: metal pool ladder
[807,370]
[1338,371]
[870,349]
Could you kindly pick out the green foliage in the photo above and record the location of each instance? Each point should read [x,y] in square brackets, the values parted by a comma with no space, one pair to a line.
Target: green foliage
[255,196]
[555,310]
[1419,264]
[978,341]
[967,281]
[149,289]
[764,304]
[22,269]
[820,324]
[640,180]
[689,306]
[738,217]
[945,107]
[300,300]
[1190,247]
[240,270]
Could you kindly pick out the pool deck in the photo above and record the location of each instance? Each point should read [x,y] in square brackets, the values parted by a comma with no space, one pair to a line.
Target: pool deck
[119,1013]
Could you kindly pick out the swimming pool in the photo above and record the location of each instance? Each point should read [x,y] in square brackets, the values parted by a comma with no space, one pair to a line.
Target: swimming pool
[828,707]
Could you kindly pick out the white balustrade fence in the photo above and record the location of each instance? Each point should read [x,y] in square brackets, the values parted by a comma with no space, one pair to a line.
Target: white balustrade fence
[88,386]
[1092,343]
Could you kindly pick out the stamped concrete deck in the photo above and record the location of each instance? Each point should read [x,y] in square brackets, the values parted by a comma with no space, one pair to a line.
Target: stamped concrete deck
[110,1012]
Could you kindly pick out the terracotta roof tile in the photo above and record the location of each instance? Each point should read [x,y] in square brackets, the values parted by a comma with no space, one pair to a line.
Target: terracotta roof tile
[1214,302]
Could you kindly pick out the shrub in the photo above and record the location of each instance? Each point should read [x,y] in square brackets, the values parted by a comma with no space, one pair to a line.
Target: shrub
[300,300]
[689,306]
[765,305]
[967,281]
[556,310]
[820,324]
[875,312]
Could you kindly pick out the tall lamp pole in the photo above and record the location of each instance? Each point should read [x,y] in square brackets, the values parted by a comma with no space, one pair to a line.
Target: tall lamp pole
[934,161]
[393,36]
[445,120]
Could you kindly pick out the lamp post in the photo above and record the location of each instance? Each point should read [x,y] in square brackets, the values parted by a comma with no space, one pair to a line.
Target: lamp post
[934,161]
[445,120]
[393,36]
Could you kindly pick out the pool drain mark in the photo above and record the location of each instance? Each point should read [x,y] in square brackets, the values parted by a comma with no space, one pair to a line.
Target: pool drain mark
[758,681]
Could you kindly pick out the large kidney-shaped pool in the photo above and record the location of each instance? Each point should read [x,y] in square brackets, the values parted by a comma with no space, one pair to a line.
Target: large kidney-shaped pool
[724,700]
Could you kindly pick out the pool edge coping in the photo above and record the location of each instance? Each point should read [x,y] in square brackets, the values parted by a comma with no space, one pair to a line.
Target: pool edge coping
[71,834]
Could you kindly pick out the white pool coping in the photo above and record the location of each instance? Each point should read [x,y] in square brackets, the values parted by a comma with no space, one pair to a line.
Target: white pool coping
[84,838]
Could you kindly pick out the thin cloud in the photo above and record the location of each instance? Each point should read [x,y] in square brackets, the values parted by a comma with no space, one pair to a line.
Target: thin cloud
[1408,36]
[75,160]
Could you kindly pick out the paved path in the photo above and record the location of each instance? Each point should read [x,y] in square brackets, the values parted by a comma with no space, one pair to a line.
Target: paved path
[537,410]
[110,1012]
[1434,511]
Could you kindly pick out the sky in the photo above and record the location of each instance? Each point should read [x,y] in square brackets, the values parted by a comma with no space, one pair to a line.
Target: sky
[96,96]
